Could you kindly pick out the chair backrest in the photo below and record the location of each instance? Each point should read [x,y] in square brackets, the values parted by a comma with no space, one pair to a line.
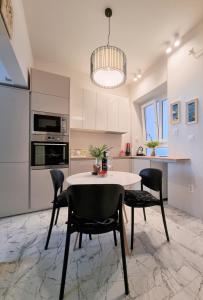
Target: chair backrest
[95,201]
[152,178]
[57,177]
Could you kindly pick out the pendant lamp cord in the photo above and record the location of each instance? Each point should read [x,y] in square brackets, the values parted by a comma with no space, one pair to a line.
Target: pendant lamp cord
[109,32]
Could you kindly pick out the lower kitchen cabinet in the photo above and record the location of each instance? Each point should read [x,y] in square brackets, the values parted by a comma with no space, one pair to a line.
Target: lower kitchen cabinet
[14,187]
[122,164]
[80,166]
[42,192]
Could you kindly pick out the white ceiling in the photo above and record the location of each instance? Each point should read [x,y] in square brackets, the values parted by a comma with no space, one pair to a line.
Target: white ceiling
[67,31]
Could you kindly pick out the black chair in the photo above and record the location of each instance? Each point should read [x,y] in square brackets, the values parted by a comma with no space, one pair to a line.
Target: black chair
[94,209]
[60,199]
[151,178]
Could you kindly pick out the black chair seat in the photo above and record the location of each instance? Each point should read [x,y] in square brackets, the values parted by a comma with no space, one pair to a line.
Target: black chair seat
[62,200]
[140,199]
[152,179]
[94,227]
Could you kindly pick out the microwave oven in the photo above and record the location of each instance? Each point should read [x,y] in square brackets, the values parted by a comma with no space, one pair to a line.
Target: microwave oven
[49,123]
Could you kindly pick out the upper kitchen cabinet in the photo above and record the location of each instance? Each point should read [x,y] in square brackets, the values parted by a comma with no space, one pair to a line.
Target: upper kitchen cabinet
[49,103]
[89,109]
[123,114]
[112,114]
[101,112]
[50,84]
[76,108]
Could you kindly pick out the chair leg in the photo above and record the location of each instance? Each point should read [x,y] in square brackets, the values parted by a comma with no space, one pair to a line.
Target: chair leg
[80,240]
[115,238]
[125,214]
[57,215]
[144,214]
[132,227]
[90,237]
[164,221]
[125,274]
[65,263]
[50,227]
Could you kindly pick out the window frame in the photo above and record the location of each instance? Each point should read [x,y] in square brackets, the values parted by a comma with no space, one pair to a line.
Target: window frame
[159,127]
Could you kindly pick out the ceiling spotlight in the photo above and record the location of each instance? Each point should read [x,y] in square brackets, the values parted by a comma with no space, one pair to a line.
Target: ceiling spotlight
[169,49]
[177,41]
[135,78]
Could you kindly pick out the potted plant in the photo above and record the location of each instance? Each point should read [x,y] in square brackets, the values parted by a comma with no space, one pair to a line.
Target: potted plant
[152,144]
[97,153]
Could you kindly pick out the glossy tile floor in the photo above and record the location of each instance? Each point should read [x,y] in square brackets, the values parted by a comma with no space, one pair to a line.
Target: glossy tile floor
[156,270]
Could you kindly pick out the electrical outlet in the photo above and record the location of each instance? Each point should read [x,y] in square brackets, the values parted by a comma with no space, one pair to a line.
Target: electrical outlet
[191,188]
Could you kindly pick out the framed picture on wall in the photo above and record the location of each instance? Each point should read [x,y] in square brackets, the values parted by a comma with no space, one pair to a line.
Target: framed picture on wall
[6,10]
[175,112]
[191,111]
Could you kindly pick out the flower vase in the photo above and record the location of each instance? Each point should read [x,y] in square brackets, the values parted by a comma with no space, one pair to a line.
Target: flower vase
[153,152]
[96,166]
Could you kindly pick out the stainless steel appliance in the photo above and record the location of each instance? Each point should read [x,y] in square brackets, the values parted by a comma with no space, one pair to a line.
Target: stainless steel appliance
[49,123]
[49,152]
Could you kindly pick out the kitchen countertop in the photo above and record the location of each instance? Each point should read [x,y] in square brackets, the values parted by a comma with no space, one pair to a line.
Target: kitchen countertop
[166,159]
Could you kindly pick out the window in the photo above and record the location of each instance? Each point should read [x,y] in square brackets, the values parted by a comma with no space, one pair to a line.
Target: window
[155,120]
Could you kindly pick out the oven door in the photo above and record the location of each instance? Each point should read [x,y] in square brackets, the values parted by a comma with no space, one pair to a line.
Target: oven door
[49,155]
[45,123]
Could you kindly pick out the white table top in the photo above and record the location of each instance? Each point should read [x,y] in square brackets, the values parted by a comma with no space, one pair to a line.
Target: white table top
[113,177]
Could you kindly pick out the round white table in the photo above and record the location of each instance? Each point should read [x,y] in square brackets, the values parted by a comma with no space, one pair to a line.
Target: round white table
[113,177]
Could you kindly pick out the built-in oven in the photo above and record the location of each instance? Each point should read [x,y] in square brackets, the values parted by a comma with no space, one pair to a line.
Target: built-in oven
[49,123]
[50,152]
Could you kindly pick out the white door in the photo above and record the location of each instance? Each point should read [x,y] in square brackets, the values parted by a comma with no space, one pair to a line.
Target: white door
[101,112]
[112,114]
[89,109]
[14,125]
[14,188]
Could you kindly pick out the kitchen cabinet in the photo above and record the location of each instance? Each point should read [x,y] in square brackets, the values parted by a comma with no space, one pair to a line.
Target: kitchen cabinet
[49,103]
[122,164]
[14,124]
[42,192]
[123,114]
[112,114]
[76,108]
[14,187]
[49,83]
[89,109]
[101,112]
[79,166]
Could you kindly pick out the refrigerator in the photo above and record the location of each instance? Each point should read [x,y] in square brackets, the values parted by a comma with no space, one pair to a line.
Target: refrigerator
[14,151]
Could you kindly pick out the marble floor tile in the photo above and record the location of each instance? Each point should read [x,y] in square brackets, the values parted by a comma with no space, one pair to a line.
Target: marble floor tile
[157,270]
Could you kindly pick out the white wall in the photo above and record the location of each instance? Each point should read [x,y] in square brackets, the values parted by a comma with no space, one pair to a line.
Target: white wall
[185,81]
[152,85]
[152,80]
